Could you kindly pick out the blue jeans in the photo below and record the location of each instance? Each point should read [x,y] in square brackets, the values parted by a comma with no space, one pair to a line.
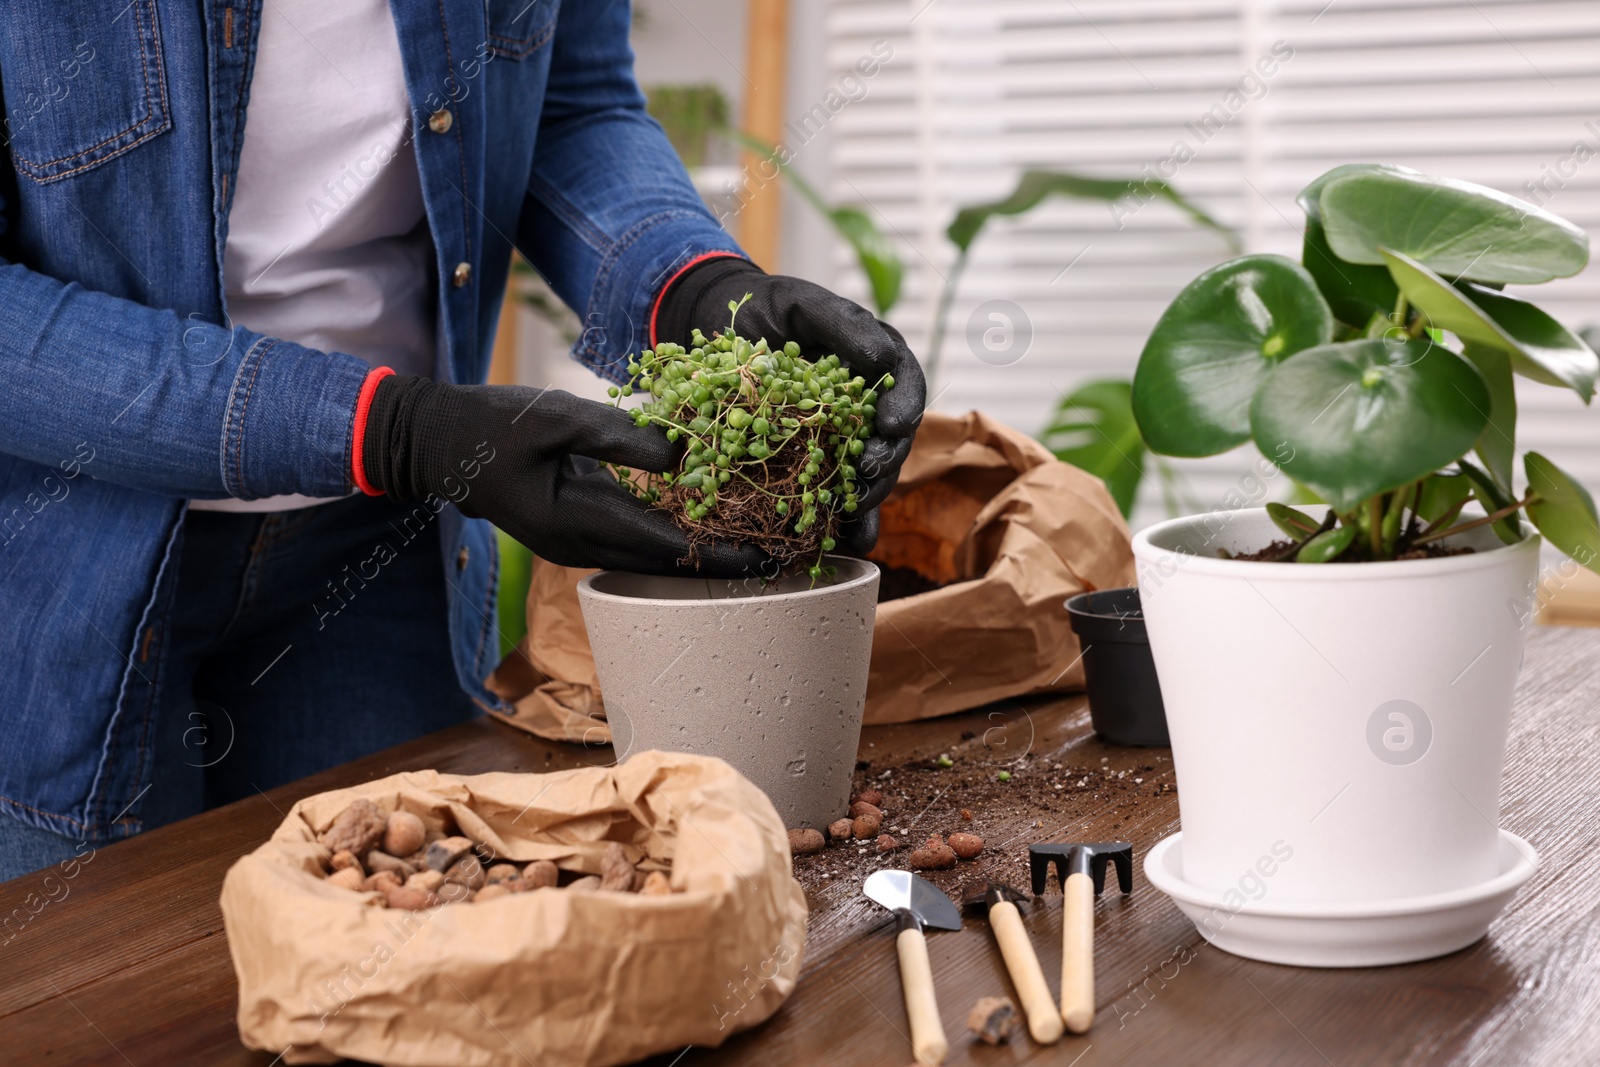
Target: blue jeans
[287,655]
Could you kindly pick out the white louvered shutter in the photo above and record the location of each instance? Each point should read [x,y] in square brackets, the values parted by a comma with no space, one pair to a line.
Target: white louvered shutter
[1492,91]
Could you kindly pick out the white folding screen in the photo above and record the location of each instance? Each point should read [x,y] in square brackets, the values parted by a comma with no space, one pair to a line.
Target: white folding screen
[1238,104]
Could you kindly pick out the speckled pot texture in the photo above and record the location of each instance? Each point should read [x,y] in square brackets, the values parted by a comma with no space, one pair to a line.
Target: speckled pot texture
[770,677]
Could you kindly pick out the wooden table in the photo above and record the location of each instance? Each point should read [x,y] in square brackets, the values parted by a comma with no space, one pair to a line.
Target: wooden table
[132,967]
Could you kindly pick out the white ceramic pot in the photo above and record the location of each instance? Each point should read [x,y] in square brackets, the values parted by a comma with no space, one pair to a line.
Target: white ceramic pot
[769,677]
[1338,731]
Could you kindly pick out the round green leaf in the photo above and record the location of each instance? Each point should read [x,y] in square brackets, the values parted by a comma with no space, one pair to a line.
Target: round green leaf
[1326,546]
[1456,228]
[1541,348]
[1544,350]
[1564,512]
[1497,444]
[1214,346]
[1492,499]
[1363,417]
[1441,494]
[1356,292]
[1310,198]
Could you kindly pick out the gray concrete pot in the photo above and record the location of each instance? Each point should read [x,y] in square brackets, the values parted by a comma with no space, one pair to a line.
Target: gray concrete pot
[771,678]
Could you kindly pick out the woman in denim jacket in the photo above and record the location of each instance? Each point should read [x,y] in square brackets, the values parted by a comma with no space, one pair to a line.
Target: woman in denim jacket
[251,262]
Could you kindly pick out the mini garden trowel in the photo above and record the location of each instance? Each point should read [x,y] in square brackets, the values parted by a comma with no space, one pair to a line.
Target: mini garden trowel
[917,903]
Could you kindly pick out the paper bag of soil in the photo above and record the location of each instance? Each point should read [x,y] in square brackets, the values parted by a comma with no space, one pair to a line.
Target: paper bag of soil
[984,538]
[551,976]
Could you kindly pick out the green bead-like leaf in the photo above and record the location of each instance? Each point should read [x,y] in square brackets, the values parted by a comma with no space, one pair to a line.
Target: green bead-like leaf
[1564,512]
[1216,344]
[1540,347]
[1497,445]
[1363,417]
[1458,229]
[1326,546]
[1094,429]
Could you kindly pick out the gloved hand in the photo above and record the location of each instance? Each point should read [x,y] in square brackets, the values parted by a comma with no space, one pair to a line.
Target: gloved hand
[525,460]
[821,323]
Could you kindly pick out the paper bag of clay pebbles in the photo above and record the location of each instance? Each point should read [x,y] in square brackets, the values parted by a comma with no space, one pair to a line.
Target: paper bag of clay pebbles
[584,917]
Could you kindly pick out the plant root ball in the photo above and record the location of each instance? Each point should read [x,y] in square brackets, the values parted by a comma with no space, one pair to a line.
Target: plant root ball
[805,842]
[841,829]
[867,827]
[357,829]
[966,846]
[403,834]
[933,859]
[993,1019]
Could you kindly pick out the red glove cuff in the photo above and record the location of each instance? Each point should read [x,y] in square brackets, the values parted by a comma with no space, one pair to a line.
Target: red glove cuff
[655,309]
[358,439]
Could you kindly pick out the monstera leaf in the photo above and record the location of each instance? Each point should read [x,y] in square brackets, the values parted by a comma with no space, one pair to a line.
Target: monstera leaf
[1216,344]
[1094,429]
[1362,417]
[1036,185]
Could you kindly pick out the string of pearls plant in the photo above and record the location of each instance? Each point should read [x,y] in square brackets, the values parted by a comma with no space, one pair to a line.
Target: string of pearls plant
[772,442]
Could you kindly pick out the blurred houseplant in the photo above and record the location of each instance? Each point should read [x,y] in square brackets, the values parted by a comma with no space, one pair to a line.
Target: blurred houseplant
[1093,426]
[1370,701]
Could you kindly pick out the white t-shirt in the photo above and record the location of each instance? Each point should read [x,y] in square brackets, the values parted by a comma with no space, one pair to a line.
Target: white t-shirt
[328,245]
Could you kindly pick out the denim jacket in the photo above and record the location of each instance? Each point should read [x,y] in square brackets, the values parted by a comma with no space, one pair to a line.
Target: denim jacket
[124,390]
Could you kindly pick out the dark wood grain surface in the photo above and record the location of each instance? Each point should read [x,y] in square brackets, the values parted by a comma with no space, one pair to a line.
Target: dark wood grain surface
[127,963]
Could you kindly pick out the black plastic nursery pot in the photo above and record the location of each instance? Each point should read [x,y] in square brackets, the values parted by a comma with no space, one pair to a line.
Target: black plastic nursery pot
[1119,672]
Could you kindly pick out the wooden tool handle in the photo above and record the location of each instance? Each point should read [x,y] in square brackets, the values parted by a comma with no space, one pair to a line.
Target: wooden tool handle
[1044,1022]
[1077,952]
[916,977]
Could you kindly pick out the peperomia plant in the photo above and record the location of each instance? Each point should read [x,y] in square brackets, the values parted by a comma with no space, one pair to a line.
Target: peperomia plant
[1378,372]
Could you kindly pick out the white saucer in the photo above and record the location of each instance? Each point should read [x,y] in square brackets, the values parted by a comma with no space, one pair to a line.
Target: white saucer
[1347,934]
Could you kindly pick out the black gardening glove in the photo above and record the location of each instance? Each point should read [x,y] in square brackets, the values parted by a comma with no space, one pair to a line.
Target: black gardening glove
[822,323]
[525,460]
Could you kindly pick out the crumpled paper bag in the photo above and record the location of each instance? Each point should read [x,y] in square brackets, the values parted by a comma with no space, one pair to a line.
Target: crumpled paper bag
[550,976]
[1008,531]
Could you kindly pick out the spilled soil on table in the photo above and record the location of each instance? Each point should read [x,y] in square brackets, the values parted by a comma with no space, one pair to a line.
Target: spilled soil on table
[1043,800]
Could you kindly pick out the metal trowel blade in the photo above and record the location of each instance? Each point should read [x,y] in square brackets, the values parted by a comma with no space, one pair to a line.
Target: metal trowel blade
[904,891]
